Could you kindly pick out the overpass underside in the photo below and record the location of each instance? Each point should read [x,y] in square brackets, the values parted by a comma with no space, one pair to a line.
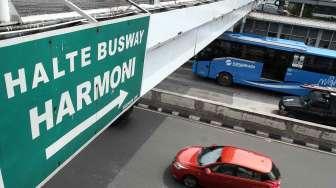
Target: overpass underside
[176,36]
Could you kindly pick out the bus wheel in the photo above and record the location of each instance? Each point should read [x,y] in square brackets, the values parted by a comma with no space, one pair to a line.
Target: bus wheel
[224,79]
[282,109]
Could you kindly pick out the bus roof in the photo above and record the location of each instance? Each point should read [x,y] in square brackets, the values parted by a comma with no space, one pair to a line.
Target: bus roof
[321,52]
[276,43]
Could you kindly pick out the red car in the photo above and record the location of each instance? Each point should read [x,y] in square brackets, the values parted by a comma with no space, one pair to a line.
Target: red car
[224,167]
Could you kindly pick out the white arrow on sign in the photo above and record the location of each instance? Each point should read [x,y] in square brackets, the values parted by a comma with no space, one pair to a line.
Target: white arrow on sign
[1,181]
[64,140]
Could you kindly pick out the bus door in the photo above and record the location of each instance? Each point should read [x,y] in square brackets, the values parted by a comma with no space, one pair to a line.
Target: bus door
[276,64]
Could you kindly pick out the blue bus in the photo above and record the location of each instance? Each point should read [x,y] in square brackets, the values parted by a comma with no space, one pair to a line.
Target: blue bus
[268,63]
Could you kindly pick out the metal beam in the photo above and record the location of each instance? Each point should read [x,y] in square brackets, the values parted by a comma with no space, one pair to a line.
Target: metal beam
[302,9]
[154,2]
[330,3]
[319,37]
[242,26]
[331,40]
[280,27]
[79,11]
[4,11]
[137,6]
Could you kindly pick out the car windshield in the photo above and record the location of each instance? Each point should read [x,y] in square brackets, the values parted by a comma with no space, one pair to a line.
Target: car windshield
[273,175]
[210,155]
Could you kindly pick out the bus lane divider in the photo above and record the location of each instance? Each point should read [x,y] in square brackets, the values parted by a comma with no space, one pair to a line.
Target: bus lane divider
[284,129]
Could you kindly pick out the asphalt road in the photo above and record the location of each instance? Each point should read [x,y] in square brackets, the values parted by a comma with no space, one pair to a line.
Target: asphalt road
[137,152]
[185,82]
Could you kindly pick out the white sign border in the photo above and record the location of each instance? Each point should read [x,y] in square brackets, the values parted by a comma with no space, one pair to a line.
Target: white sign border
[19,40]
[2,185]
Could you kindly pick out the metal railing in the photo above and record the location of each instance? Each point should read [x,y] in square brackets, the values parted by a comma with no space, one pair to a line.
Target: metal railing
[40,23]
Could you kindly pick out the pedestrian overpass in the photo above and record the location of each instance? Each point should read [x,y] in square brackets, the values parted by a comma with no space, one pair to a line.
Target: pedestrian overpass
[176,36]
[64,82]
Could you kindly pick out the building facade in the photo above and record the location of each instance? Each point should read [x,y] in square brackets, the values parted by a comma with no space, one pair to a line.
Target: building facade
[312,31]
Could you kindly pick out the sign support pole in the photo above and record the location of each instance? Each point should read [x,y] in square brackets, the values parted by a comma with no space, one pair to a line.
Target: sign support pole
[4,11]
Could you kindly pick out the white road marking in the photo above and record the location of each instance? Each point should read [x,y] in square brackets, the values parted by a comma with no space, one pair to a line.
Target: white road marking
[64,140]
[1,181]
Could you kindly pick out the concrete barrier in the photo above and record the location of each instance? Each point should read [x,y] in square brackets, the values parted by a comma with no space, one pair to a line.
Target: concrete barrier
[278,127]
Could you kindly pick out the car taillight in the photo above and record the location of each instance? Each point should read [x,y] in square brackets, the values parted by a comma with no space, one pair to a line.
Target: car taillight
[276,184]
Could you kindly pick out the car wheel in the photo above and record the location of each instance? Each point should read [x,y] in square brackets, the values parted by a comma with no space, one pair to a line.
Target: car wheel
[282,109]
[224,79]
[190,182]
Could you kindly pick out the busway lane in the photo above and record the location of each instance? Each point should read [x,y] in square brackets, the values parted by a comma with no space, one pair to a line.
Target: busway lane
[138,152]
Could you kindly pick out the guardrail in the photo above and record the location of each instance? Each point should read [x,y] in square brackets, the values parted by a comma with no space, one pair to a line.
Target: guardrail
[291,130]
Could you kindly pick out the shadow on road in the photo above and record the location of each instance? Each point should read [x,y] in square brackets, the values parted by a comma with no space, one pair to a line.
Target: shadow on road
[169,181]
[99,163]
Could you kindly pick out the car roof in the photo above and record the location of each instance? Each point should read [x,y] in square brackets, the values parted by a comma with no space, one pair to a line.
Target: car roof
[245,158]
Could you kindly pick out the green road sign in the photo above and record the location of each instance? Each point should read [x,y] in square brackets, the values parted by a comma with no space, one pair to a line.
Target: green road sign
[60,89]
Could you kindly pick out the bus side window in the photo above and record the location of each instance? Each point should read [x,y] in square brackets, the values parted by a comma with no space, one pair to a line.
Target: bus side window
[295,60]
[333,69]
[226,47]
[236,50]
[301,61]
[255,53]
[320,64]
[298,61]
